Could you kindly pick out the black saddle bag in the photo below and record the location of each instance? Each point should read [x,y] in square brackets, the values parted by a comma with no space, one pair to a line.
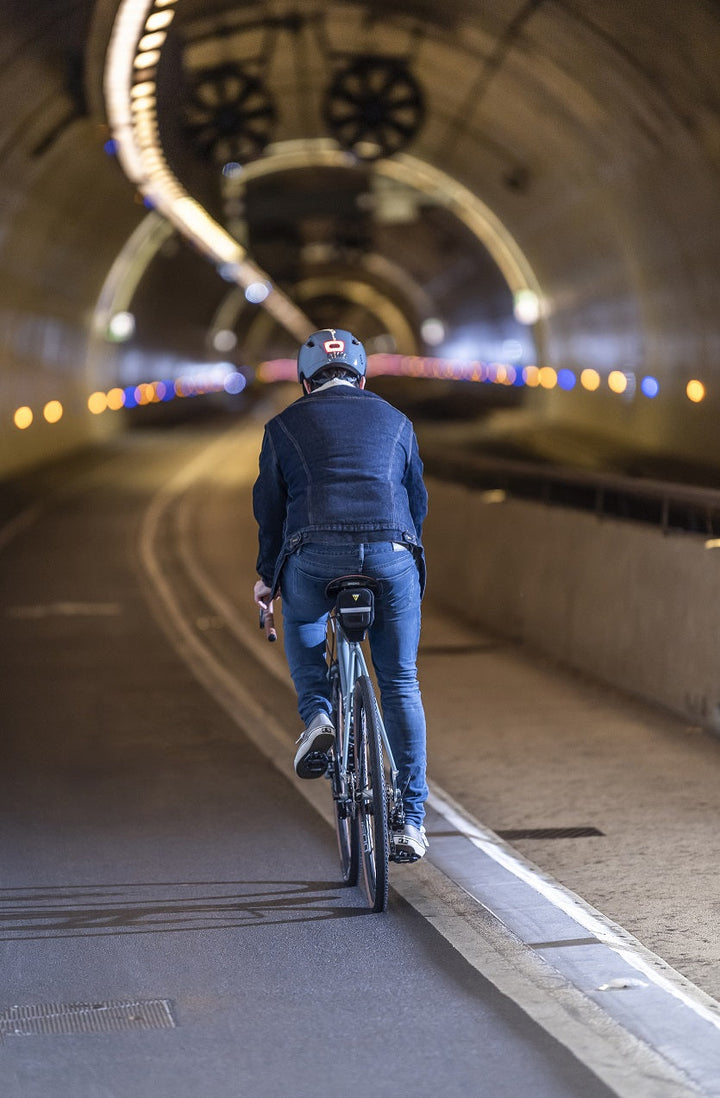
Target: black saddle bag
[356,611]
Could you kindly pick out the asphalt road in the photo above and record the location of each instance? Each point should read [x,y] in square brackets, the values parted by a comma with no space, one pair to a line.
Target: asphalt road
[161,879]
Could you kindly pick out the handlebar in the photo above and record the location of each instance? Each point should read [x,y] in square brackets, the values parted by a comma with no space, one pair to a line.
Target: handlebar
[267,622]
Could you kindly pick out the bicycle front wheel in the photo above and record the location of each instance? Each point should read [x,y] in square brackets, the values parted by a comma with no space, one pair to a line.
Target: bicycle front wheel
[346,825]
[371,799]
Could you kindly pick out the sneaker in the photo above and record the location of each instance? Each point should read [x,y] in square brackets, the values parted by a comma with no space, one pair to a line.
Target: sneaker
[311,759]
[410,844]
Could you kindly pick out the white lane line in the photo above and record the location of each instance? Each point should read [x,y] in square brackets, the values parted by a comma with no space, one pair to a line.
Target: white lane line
[625,1063]
[222,684]
[652,967]
[224,608]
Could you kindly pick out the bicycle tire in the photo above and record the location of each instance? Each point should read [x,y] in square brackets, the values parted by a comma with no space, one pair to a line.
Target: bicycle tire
[346,822]
[372,811]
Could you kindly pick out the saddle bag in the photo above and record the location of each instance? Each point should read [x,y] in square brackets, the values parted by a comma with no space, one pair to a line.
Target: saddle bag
[356,611]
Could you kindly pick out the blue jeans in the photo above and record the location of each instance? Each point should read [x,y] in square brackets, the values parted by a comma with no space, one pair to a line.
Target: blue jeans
[394,638]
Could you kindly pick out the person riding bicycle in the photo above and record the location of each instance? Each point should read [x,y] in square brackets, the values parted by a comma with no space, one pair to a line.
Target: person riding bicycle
[340,491]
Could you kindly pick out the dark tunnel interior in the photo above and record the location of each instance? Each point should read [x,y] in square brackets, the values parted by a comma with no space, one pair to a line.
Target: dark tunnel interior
[513,203]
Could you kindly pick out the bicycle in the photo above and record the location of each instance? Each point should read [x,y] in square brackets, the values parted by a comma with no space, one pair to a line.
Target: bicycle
[361,768]
[362,771]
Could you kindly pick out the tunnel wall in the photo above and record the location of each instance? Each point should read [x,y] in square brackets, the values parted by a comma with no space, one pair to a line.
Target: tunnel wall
[614,107]
[620,601]
[65,212]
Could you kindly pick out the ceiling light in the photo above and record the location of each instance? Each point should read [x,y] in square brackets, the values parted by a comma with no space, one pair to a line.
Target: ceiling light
[159,19]
[256,292]
[146,87]
[526,307]
[147,60]
[135,130]
[433,331]
[152,41]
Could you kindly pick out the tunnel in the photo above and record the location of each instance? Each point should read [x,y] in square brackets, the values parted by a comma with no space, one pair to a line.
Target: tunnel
[513,204]
[425,175]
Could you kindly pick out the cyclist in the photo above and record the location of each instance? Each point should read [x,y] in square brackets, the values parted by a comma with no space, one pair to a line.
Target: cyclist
[340,491]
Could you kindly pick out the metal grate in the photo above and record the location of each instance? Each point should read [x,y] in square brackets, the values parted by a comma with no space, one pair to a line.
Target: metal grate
[49,1019]
[550,833]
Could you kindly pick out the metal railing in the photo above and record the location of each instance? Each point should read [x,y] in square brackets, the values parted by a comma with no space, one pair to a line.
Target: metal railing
[669,505]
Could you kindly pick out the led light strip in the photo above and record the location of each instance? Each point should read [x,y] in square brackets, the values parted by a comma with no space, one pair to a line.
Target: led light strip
[138,35]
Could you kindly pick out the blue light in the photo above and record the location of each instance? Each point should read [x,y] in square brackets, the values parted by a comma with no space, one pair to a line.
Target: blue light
[566,379]
[235,383]
[232,169]
[650,386]
[257,292]
[110,147]
[130,401]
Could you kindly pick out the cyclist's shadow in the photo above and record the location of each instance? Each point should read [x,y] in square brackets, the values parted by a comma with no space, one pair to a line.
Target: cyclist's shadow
[71,911]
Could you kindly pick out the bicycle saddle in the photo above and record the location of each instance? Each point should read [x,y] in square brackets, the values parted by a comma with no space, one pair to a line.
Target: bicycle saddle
[349,583]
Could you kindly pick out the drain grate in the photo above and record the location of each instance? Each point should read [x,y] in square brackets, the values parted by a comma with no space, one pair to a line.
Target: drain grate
[49,1019]
[550,833]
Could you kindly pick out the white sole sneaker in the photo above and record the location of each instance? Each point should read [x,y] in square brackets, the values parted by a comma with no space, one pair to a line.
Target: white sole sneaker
[311,759]
[410,844]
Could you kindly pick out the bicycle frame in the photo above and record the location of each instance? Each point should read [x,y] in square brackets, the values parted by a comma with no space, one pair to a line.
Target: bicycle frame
[351,665]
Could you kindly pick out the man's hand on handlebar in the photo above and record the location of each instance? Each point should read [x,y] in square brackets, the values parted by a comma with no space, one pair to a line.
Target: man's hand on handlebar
[261,595]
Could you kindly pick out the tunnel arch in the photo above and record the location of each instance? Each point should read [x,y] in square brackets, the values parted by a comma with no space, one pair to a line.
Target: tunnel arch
[590,131]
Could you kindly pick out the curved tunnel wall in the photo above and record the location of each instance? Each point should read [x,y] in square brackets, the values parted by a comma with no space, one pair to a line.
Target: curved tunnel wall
[610,112]
[64,212]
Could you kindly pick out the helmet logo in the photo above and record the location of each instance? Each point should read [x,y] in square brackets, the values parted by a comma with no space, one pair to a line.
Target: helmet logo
[334,346]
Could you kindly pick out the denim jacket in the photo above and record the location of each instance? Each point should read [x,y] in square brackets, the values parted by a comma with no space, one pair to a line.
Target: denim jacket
[339,465]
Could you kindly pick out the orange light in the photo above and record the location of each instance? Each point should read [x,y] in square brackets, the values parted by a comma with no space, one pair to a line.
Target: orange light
[695,391]
[53,411]
[531,375]
[116,400]
[617,381]
[548,377]
[590,380]
[97,403]
[23,417]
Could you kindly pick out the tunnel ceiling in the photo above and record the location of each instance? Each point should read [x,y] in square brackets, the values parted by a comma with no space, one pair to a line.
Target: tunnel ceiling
[575,123]
[579,142]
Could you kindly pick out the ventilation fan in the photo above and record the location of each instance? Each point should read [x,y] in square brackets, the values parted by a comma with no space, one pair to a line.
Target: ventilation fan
[374,107]
[229,115]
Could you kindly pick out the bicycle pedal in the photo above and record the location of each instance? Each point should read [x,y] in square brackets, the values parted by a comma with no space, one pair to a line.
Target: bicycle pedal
[403,857]
[316,764]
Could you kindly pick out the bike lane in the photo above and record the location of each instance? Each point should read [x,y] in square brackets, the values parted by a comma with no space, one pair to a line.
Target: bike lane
[171,920]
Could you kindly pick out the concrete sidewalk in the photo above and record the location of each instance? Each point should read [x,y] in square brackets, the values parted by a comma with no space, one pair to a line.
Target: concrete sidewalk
[525,746]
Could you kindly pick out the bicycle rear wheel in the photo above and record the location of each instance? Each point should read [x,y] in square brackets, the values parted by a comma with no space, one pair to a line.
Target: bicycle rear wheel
[346,823]
[371,798]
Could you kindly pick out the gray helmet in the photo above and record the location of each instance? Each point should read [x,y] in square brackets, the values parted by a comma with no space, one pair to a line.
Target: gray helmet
[331,347]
